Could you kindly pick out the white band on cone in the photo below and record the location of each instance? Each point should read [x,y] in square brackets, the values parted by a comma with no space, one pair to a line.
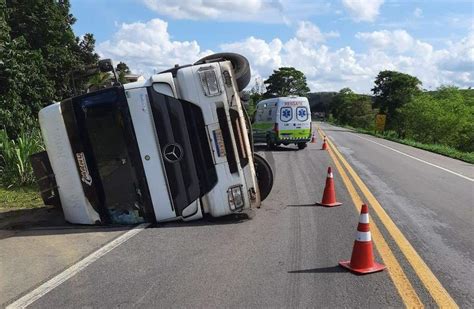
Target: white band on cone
[363,236]
[364,218]
[330,175]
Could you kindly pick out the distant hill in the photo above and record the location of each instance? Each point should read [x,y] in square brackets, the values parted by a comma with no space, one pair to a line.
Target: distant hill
[319,101]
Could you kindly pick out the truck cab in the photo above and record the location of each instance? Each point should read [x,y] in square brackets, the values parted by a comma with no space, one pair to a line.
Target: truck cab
[173,147]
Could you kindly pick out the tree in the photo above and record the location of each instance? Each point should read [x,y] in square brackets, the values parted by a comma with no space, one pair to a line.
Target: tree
[23,82]
[352,109]
[98,81]
[38,56]
[284,82]
[122,69]
[46,27]
[441,117]
[393,90]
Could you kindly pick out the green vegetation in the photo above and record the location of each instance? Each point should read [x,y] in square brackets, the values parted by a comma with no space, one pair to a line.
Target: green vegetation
[41,59]
[391,92]
[15,167]
[443,118]
[284,82]
[436,148]
[353,109]
[24,197]
[440,121]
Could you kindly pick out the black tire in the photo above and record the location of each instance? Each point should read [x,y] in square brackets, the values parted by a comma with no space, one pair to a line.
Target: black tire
[270,144]
[240,63]
[302,145]
[264,176]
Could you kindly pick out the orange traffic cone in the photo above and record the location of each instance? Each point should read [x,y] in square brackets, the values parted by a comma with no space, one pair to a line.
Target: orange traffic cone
[362,259]
[325,144]
[329,195]
[313,139]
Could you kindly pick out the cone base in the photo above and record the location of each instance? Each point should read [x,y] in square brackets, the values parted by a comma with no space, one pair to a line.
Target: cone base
[362,271]
[329,205]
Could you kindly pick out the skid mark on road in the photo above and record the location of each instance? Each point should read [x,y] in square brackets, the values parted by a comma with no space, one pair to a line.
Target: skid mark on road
[415,158]
[432,284]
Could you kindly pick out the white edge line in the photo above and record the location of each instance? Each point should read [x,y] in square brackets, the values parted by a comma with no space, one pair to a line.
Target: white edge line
[418,159]
[54,282]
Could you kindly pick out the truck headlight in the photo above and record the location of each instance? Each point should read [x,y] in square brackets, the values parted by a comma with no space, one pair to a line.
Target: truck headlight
[209,81]
[235,197]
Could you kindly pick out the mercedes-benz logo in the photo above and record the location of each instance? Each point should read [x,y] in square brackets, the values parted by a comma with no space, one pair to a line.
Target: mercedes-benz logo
[173,153]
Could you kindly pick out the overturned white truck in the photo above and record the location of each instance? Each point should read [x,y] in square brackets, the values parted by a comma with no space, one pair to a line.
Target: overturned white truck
[176,146]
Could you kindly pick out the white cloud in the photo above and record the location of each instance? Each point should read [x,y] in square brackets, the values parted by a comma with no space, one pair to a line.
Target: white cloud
[398,40]
[363,10]
[418,12]
[146,47]
[330,70]
[309,32]
[269,11]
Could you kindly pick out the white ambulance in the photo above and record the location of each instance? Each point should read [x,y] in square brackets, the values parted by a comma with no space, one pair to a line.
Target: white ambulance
[283,120]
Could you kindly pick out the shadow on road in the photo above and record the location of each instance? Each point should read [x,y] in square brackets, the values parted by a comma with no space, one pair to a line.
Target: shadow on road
[45,221]
[303,205]
[320,270]
[50,221]
[263,147]
[207,220]
[56,225]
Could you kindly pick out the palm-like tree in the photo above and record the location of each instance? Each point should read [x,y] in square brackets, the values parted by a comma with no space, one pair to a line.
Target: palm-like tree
[98,81]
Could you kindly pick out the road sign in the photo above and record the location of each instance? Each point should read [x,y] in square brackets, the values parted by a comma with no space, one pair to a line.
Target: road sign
[380,122]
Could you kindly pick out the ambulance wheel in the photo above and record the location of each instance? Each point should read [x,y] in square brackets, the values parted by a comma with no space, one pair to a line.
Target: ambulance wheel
[240,63]
[302,145]
[270,143]
[264,176]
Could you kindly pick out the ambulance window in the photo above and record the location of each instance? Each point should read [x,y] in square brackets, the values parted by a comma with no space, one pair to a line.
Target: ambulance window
[286,113]
[302,113]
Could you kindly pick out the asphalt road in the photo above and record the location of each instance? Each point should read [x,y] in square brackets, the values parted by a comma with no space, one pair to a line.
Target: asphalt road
[286,253]
[433,207]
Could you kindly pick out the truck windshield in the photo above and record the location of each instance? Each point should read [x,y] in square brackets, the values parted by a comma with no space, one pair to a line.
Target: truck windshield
[103,128]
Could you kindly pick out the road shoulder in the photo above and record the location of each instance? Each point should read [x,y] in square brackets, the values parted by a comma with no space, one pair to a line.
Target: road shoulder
[31,255]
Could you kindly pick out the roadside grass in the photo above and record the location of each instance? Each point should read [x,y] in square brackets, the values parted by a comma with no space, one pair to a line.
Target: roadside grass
[20,197]
[436,148]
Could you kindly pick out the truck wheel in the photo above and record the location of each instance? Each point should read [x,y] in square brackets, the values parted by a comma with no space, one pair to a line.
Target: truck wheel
[264,176]
[240,63]
[302,145]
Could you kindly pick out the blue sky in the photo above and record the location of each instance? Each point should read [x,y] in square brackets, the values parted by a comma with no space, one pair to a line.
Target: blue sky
[335,43]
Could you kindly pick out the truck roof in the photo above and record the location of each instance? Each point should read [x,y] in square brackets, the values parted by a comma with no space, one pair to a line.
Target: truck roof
[281,100]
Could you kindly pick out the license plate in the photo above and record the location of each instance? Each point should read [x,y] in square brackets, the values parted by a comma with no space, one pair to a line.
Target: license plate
[219,142]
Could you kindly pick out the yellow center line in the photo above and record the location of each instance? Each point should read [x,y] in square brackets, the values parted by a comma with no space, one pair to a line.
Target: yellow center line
[429,280]
[399,278]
